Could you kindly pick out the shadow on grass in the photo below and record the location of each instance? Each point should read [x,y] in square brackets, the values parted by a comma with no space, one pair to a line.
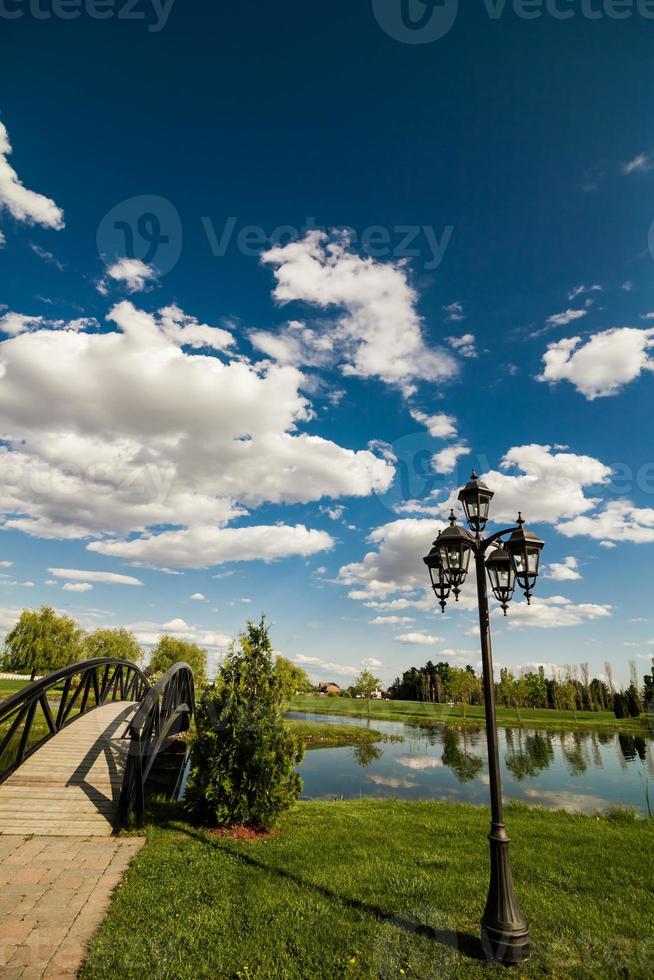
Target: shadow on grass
[171,818]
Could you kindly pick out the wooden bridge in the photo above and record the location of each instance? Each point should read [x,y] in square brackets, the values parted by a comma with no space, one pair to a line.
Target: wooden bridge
[77,747]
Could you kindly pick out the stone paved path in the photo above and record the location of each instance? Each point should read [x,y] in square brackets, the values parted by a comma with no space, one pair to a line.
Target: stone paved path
[54,892]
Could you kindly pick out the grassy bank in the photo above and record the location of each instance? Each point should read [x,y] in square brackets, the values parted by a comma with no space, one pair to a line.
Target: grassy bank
[425,714]
[7,688]
[328,736]
[344,887]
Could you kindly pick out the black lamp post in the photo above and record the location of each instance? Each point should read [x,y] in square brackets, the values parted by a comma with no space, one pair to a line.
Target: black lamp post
[504,932]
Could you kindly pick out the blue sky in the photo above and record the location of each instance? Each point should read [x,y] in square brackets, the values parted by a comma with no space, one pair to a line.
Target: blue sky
[273,280]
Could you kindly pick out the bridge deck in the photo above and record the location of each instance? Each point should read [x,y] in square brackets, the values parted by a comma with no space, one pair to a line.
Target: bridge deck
[70,787]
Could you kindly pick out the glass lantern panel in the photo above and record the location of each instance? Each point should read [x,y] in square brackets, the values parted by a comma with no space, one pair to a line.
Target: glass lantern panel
[533,555]
[520,562]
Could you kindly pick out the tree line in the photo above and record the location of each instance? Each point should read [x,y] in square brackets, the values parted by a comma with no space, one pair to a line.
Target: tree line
[43,641]
[570,689]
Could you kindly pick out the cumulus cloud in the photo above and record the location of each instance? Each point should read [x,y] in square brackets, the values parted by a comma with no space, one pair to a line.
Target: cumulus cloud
[562,319]
[77,587]
[440,426]
[465,345]
[23,204]
[454,311]
[371,662]
[134,274]
[396,565]
[545,484]
[14,324]
[204,546]
[105,578]
[556,611]
[379,331]
[616,521]
[419,639]
[199,597]
[603,365]
[565,571]
[114,433]
[446,460]
[391,620]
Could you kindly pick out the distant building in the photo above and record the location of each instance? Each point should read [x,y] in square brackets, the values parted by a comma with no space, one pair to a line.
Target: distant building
[330,688]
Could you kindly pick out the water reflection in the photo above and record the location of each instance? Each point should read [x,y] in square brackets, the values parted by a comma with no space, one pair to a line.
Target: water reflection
[458,758]
[587,770]
[528,753]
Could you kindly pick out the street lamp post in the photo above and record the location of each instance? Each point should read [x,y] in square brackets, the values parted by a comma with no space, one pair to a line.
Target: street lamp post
[504,932]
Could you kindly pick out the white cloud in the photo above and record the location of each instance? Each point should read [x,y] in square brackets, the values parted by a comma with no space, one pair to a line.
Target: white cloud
[565,571]
[23,204]
[396,566]
[603,365]
[419,762]
[6,564]
[135,274]
[117,432]
[371,662]
[454,312]
[641,163]
[14,324]
[618,520]
[47,256]
[556,611]
[562,319]
[446,460]
[202,546]
[544,484]
[379,334]
[325,666]
[418,639]
[105,578]
[440,426]
[391,620]
[584,290]
[77,587]
[2,239]
[465,345]
[198,597]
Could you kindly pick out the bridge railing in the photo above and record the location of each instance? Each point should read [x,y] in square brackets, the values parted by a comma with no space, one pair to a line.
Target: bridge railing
[165,711]
[39,711]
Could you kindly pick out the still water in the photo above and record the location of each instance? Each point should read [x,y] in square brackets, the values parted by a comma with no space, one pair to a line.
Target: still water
[574,770]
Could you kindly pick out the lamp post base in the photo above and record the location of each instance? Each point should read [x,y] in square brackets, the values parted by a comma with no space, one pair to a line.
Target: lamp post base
[504,933]
[507,948]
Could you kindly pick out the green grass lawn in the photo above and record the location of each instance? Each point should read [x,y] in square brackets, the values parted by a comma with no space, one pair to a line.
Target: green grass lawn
[7,688]
[344,888]
[423,713]
[329,736]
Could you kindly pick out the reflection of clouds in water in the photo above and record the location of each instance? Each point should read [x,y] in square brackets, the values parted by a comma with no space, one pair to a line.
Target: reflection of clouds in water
[393,783]
[568,801]
[418,761]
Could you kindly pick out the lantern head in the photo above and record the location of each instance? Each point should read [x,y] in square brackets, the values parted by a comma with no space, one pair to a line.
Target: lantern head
[455,546]
[437,575]
[525,548]
[502,576]
[476,498]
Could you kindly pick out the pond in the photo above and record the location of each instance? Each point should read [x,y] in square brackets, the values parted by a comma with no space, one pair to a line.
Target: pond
[575,770]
